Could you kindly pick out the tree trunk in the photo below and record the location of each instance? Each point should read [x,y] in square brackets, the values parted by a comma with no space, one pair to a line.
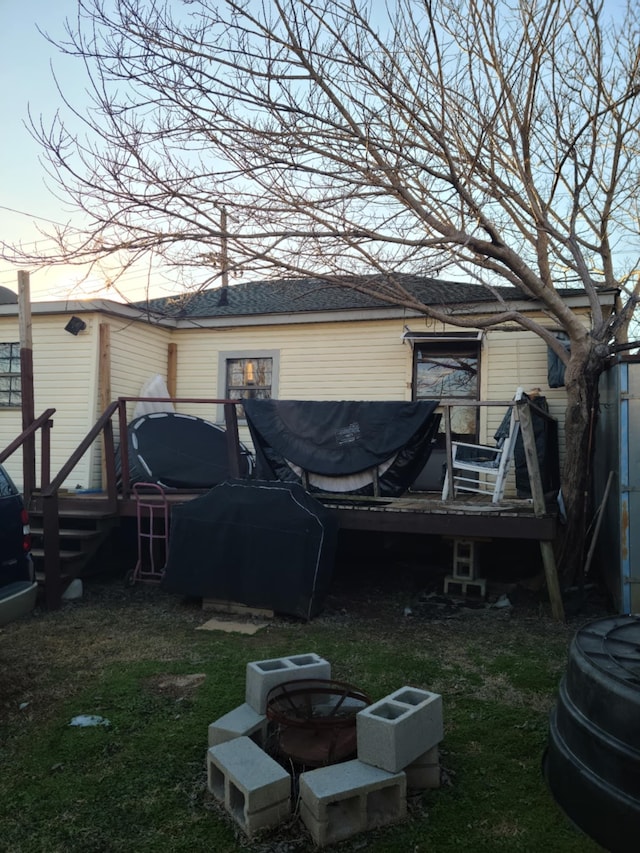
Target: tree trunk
[581,378]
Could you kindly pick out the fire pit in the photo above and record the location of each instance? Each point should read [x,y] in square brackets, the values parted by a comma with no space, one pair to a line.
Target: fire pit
[314,721]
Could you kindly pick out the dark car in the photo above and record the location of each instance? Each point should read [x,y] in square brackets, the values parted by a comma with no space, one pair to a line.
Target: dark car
[17,587]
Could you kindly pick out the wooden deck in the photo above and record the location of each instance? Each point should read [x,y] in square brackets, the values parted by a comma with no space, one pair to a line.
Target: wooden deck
[419,512]
[416,513]
[427,514]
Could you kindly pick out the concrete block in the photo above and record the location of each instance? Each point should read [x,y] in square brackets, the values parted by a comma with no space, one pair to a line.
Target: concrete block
[264,675]
[342,800]
[424,772]
[254,788]
[464,559]
[399,728]
[467,589]
[241,722]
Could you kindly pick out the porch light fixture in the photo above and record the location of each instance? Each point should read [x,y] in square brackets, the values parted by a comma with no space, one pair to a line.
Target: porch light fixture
[75,325]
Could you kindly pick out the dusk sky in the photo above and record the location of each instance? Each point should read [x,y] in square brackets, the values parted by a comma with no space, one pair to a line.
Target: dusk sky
[27,82]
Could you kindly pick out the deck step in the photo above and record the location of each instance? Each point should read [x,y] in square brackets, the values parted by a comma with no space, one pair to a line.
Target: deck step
[68,533]
[65,556]
[65,579]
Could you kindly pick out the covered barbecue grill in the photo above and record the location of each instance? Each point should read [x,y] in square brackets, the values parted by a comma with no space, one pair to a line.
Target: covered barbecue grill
[264,544]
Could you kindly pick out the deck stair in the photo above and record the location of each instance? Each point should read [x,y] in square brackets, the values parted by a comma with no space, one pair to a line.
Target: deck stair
[82,529]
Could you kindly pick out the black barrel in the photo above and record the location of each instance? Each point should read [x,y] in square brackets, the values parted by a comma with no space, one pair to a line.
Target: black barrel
[592,763]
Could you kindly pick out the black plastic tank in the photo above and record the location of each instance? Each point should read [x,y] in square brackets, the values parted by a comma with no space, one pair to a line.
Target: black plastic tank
[592,763]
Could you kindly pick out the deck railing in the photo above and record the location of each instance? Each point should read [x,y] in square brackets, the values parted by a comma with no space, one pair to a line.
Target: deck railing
[104,426]
[26,438]
[525,407]
[114,490]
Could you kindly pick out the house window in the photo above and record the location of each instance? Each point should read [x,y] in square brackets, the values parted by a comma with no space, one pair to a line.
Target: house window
[243,374]
[449,369]
[10,385]
[249,378]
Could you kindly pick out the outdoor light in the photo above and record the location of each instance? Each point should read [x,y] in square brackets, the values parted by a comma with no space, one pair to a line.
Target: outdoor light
[75,325]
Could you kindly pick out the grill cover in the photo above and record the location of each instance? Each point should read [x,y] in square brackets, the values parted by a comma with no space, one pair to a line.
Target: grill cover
[340,446]
[180,452]
[262,544]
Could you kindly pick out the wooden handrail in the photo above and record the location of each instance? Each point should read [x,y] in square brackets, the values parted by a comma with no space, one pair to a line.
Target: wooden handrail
[80,450]
[39,422]
[104,424]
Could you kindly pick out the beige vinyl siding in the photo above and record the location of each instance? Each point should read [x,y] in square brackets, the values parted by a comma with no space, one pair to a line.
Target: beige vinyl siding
[318,361]
[522,356]
[138,352]
[345,360]
[64,369]
[518,359]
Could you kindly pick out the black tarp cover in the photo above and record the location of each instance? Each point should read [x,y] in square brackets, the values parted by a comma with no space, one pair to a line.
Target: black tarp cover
[179,451]
[337,440]
[263,544]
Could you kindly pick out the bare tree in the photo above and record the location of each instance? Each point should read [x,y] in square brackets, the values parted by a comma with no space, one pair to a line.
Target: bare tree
[496,138]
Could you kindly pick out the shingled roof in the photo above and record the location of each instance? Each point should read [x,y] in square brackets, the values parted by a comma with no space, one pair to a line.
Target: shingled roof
[297,296]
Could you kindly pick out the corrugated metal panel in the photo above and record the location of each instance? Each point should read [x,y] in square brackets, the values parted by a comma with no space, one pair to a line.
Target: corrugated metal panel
[606,459]
[618,451]
[630,484]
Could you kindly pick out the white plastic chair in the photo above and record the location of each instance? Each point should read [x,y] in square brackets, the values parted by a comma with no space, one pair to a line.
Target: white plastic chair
[480,468]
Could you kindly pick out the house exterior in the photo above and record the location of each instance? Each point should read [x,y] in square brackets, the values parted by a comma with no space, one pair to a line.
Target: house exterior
[299,339]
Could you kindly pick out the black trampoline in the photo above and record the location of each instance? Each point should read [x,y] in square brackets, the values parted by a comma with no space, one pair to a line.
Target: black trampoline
[178,451]
[349,447]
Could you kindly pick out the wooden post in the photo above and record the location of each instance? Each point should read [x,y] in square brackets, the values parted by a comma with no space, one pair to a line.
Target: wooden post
[51,535]
[449,452]
[551,576]
[540,508]
[233,440]
[26,384]
[172,369]
[531,456]
[104,384]
[124,447]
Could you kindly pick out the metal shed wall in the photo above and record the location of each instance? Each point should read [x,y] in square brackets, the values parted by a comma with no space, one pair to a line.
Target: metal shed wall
[618,451]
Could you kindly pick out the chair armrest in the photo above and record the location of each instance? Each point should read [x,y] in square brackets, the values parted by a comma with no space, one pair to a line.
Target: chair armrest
[490,448]
[478,455]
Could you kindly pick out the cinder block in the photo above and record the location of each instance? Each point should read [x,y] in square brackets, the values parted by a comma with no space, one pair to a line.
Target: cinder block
[399,728]
[342,800]
[455,586]
[424,772]
[264,675]
[254,788]
[241,722]
[464,559]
